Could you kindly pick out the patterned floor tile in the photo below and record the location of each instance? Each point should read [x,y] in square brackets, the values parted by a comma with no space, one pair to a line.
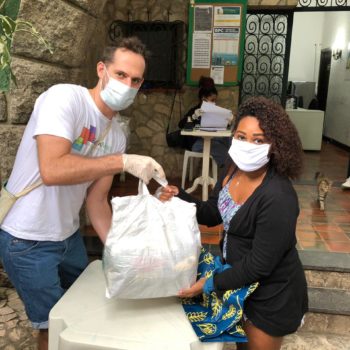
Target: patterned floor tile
[338,247]
[334,236]
[313,245]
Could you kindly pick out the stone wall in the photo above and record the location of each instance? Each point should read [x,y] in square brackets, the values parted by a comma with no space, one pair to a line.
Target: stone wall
[77,31]
[73,28]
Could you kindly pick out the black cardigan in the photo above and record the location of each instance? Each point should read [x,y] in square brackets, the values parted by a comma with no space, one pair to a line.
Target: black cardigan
[261,247]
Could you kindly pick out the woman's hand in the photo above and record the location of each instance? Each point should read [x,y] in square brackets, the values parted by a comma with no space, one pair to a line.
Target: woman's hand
[196,289]
[164,194]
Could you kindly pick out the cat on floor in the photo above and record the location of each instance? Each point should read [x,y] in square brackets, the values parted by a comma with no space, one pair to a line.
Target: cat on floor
[324,185]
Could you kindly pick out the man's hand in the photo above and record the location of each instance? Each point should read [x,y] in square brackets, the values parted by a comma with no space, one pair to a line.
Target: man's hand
[143,167]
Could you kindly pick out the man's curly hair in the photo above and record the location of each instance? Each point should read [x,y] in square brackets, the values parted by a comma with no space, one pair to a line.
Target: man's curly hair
[286,154]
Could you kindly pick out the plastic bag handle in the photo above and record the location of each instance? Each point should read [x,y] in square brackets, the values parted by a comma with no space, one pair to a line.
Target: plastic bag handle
[143,187]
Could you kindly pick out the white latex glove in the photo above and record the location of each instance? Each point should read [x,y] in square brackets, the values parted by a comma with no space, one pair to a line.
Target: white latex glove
[197,113]
[143,167]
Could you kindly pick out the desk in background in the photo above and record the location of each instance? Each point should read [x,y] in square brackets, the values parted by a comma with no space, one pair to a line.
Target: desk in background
[309,124]
[205,180]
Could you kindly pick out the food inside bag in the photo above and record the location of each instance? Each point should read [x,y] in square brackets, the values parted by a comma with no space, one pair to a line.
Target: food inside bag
[152,248]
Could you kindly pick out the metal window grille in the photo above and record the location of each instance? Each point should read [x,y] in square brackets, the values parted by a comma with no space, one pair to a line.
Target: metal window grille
[266,55]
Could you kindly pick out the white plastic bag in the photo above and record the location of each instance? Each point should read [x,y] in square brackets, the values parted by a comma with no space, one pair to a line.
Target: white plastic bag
[152,248]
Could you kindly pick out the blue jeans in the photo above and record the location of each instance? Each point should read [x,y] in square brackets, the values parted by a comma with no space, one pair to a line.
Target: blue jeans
[41,271]
[219,147]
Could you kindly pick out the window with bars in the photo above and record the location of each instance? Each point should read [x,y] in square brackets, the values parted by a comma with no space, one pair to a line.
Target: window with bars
[166,43]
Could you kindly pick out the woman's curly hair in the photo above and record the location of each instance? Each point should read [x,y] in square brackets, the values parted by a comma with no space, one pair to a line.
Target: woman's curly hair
[286,154]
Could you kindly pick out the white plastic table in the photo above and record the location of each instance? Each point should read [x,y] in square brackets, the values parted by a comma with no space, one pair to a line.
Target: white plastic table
[205,180]
[84,319]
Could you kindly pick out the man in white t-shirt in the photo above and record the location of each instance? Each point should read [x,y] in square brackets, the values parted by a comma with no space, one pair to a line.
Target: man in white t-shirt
[74,145]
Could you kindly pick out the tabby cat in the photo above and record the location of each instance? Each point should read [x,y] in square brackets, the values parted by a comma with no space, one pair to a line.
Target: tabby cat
[324,185]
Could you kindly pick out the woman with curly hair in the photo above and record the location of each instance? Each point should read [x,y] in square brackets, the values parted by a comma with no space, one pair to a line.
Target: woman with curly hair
[258,206]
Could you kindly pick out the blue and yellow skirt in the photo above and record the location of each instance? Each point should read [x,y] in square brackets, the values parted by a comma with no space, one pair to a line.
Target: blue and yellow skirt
[216,319]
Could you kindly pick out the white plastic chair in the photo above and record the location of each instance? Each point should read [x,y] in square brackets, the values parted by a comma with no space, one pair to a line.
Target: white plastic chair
[190,156]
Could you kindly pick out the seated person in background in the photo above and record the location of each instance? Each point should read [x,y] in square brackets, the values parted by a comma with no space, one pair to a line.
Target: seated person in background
[219,145]
[257,204]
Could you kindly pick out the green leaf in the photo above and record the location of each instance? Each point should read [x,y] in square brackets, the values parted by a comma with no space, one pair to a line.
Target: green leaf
[2,3]
[9,25]
[10,8]
[5,75]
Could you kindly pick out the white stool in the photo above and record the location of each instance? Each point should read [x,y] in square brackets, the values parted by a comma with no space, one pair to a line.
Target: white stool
[192,155]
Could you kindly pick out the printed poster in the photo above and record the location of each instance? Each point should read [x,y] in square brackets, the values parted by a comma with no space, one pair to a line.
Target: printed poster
[225,46]
[217,73]
[227,16]
[201,48]
[203,19]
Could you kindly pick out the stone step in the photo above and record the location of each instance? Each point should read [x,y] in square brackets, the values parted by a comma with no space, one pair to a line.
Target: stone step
[329,311]
[329,301]
[326,323]
[326,270]
[328,279]
[316,341]
[325,261]
[328,276]
[310,341]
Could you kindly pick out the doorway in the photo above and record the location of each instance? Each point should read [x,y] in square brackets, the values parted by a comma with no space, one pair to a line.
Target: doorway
[323,78]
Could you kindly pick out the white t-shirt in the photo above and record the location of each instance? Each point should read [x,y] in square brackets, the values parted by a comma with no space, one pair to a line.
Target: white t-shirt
[52,212]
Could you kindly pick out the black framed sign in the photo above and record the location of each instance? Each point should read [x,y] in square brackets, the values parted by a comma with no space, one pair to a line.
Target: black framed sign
[216,41]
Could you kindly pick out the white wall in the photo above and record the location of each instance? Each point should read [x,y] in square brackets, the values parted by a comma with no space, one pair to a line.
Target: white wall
[306,46]
[312,32]
[337,118]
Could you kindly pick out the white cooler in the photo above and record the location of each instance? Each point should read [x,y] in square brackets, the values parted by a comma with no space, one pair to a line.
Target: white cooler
[84,319]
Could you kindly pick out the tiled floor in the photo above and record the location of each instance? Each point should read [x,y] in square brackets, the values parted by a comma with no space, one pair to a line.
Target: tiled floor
[327,230]
[317,230]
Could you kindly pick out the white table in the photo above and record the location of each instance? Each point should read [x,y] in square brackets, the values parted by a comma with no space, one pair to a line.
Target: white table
[84,319]
[309,124]
[205,180]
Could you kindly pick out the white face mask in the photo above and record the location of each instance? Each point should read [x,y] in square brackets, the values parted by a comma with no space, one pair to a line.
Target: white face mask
[116,95]
[249,156]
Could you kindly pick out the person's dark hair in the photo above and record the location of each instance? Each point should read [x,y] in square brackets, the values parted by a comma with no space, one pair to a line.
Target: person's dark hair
[131,43]
[206,87]
[286,154]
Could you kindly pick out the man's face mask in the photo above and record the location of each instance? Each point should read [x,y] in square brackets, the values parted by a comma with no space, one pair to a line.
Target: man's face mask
[117,95]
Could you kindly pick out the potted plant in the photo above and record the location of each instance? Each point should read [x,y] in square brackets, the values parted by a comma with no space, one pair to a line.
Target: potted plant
[9,25]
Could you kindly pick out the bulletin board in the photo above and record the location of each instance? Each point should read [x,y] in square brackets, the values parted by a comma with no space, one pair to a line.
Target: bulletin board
[216,34]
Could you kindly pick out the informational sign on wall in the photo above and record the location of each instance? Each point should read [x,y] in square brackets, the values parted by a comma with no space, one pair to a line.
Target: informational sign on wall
[216,40]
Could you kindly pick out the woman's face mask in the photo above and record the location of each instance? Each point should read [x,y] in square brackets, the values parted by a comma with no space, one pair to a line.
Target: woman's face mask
[249,156]
[117,95]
